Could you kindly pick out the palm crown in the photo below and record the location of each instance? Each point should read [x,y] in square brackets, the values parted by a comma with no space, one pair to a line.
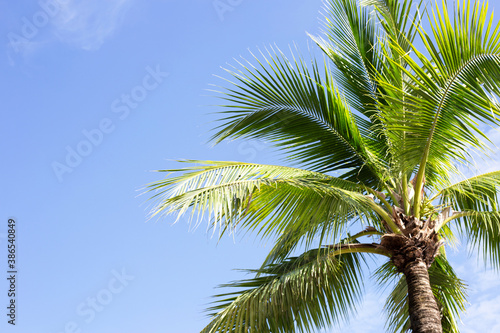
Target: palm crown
[378,133]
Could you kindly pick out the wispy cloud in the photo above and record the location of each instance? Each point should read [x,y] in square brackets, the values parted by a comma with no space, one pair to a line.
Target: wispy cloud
[84,24]
[87,24]
[483,317]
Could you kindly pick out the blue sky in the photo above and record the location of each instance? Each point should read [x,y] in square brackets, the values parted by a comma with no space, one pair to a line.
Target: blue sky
[96,94]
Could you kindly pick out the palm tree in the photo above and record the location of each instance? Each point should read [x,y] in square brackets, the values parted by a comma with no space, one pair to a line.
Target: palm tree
[377,137]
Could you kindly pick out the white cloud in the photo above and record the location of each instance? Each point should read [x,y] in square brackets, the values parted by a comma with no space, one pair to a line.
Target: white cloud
[483,316]
[485,281]
[483,312]
[87,24]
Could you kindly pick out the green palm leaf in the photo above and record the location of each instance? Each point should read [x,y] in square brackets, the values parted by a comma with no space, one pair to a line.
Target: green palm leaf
[482,230]
[352,47]
[315,289]
[394,124]
[300,111]
[475,202]
[398,19]
[479,193]
[450,96]
[265,198]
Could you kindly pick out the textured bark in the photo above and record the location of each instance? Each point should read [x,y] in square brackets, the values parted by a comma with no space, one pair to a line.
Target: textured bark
[412,253]
[418,241]
[425,316]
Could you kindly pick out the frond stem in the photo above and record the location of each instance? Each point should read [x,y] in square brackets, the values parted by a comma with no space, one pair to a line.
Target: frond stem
[451,218]
[358,248]
[367,232]
[387,218]
[468,180]
[425,156]
[381,198]
[404,194]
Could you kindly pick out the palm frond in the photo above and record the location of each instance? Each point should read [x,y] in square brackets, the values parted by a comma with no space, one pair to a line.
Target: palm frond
[451,92]
[477,217]
[482,231]
[379,114]
[265,198]
[351,45]
[479,193]
[398,18]
[311,291]
[301,112]
[294,236]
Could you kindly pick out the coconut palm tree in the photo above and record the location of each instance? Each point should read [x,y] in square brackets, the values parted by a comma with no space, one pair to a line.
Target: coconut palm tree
[377,137]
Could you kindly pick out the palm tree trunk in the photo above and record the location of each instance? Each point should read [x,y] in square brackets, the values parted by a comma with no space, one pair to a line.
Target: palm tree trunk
[425,316]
